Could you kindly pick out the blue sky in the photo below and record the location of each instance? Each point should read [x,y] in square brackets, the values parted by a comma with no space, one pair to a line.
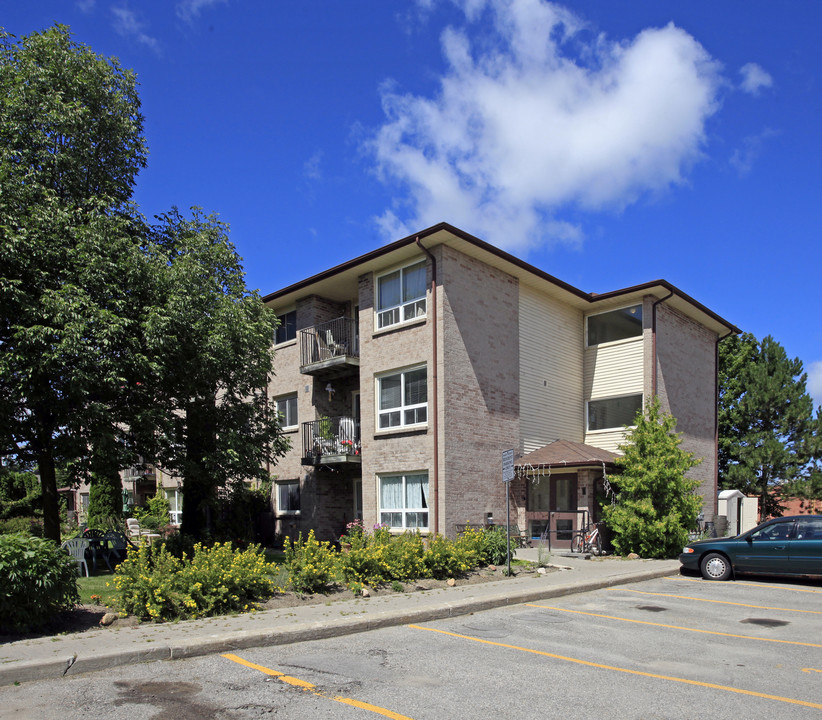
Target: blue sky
[608,143]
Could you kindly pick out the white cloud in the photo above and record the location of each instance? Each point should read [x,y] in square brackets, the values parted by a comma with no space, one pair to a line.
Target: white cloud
[743,158]
[127,24]
[312,168]
[521,128]
[189,10]
[815,381]
[754,78]
[85,6]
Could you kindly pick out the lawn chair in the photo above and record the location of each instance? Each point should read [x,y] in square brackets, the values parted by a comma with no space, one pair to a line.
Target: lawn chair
[133,527]
[76,547]
[118,546]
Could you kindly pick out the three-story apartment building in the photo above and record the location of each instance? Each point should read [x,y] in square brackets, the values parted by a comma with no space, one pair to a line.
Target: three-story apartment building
[403,374]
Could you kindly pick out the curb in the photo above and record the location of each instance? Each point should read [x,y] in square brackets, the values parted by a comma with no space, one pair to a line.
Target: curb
[434,609]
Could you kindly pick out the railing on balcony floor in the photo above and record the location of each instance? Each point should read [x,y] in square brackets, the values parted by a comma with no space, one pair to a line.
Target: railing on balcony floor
[326,341]
[337,439]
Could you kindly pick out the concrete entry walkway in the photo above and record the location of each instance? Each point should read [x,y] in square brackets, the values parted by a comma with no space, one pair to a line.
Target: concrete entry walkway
[52,657]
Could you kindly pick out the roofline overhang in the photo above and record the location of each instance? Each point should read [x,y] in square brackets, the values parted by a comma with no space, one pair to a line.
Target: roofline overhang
[588,300]
[571,465]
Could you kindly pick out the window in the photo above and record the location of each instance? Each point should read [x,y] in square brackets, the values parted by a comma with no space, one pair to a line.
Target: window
[809,529]
[175,505]
[287,327]
[611,413]
[288,497]
[404,501]
[615,325]
[401,295]
[403,399]
[287,410]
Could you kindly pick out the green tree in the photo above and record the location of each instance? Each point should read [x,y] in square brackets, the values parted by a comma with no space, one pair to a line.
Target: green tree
[212,343]
[768,435]
[656,504]
[71,145]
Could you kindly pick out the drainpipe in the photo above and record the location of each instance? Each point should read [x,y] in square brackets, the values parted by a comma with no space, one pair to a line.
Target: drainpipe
[434,388]
[653,339]
[716,412]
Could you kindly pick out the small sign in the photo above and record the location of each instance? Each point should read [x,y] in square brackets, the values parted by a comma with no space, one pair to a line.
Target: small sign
[507,466]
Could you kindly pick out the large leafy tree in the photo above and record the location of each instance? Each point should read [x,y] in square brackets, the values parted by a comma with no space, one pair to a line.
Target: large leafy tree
[768,434]
[211,340]
[656,503]
[71,145]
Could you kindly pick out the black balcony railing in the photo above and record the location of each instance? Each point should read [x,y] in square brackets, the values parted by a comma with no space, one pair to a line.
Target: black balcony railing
[328,341]
[331,439]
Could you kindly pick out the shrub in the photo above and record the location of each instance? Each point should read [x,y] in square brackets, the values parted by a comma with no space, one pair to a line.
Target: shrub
[444,558]
[154,584]
[39,580]
[494,546]
[405,557]
[27,525]
[311,563]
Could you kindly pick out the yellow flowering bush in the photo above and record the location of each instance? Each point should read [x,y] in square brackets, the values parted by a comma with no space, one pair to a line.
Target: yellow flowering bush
[444,558]
[311,563]
[155,585]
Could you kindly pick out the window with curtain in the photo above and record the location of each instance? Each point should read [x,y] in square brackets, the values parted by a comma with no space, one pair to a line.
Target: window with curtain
[402,398]
[404,501]
[401,295]
[288,497]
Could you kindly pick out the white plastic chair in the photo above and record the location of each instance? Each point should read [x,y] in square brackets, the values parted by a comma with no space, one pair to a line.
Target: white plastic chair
[76,547]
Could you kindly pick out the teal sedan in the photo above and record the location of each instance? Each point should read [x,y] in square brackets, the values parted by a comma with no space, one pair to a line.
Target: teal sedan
[781,546]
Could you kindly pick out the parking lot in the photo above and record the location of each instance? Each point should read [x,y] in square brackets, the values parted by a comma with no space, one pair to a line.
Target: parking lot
[677,647]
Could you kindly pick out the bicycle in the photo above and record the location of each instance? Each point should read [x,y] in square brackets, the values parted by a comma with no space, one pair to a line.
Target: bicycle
[589,540]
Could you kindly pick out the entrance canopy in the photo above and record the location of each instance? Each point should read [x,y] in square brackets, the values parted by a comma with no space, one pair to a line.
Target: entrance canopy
[566,454]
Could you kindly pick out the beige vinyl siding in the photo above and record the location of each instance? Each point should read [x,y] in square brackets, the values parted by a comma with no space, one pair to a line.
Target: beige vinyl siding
[550,351]
[612,370]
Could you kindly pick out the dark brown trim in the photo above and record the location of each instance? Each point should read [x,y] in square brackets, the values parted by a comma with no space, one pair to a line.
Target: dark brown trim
[503,255]
[570,465]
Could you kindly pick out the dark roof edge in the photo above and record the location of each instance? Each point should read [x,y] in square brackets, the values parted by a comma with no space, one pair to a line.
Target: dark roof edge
[503,255]
[410,239]
[672,289]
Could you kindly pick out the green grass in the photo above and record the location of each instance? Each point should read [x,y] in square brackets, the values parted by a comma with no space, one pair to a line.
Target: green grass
[94,585]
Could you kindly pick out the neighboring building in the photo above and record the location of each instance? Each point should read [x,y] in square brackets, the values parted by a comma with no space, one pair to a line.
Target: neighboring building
[403,374]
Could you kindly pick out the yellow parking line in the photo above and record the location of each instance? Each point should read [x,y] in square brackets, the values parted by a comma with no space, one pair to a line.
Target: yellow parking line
[810,670]
[736,583]
[675,627]
[310,687]
[628,671]
[719,602]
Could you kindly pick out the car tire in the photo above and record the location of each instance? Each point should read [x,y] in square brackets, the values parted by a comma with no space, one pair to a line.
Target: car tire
[716,567]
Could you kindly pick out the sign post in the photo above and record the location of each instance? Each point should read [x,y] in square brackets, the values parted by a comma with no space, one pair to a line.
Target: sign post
[507,478]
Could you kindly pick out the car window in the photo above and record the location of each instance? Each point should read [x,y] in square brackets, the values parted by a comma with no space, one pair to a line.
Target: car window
[809,529]
[777,531]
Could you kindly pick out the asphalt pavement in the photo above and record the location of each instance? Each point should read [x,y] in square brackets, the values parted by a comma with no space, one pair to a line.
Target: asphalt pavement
[96,650]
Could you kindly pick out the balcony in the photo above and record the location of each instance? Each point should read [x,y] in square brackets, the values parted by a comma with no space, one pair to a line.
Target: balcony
[331,441]
[330,350]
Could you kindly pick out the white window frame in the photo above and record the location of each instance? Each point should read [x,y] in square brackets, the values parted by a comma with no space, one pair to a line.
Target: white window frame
[403,407]
[284,415]
[405,510]
[176,514]
[280,487]
[405,310]
[610,397]
[632,338]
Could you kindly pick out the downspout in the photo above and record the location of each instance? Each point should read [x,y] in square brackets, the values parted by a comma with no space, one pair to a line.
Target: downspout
[716,411]
[434,389]
[653,339]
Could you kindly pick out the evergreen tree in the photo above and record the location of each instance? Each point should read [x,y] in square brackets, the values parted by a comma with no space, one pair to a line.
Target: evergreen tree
[767,429]
[656,504]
